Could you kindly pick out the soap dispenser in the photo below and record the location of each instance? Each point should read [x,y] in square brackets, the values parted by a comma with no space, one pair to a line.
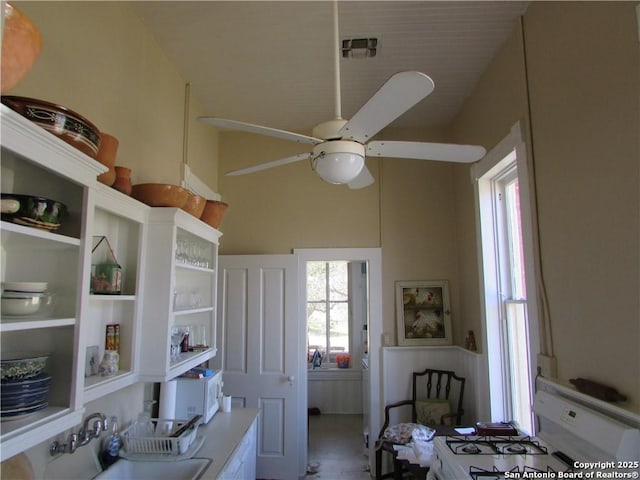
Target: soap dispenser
[110,451]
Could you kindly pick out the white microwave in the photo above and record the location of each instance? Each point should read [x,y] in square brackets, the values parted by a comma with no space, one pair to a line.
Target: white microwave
[199,396]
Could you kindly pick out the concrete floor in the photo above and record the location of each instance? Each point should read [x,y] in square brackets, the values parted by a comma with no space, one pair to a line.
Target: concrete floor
[336,448]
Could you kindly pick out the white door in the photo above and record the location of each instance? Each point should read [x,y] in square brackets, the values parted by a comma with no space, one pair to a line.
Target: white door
[258,344]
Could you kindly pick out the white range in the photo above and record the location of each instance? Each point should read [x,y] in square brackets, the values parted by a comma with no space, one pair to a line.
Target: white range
[574,441]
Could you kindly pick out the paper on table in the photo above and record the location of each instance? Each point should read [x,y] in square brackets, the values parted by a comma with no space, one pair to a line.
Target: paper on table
[424,451]
[406,452]
[465,430]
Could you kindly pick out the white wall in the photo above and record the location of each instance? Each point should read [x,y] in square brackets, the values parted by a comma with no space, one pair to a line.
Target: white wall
[400,362]
[335,391]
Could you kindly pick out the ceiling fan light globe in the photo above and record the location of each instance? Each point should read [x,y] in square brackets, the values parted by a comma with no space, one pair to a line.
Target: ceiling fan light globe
[338,161]
[339,168]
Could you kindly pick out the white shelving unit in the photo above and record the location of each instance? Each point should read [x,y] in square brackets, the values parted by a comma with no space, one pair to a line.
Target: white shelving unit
[122,220]
[179,289]
[35,162]
[145,242]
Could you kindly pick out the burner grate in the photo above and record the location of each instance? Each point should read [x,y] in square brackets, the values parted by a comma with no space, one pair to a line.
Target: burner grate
[474,445]
[521,446]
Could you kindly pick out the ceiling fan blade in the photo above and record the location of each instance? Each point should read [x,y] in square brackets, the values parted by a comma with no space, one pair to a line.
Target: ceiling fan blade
[401,92]
[364,179]
[275,163]
[446,152]
[259,129]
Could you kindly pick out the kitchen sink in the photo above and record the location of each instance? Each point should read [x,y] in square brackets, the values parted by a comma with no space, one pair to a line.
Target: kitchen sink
[190,469]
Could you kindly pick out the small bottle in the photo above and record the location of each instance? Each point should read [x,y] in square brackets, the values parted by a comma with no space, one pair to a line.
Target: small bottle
[470,341]
[110,452]
[184,345]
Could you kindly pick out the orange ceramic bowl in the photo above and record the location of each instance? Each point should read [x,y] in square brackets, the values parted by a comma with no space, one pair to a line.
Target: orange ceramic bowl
[195,204]
[21,45]
[160,194]
[213,212]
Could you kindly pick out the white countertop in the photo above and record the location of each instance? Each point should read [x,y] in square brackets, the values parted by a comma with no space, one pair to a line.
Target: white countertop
[222,435]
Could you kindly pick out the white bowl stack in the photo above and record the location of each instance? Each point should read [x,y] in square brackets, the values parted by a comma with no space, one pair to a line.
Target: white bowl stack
[25,298]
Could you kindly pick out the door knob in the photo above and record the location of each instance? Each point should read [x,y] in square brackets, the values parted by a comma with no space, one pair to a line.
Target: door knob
[291,379]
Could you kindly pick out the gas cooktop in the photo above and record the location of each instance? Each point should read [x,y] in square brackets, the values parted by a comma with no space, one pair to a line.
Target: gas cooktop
[480,457]
[494,445]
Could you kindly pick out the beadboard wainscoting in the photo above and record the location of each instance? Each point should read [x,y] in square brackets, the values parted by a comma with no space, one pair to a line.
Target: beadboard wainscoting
[399,362]
[335,390]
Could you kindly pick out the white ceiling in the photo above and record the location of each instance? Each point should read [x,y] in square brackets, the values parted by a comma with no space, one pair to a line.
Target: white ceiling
[271,63]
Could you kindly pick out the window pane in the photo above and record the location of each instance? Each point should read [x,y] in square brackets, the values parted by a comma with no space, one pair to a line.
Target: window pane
[316,281]
[339,332]
[316,326]
[518,344]
[338,282]
[512,194]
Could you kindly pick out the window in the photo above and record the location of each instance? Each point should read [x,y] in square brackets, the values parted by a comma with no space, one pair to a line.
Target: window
[510,314]
[327,309]
[513,324]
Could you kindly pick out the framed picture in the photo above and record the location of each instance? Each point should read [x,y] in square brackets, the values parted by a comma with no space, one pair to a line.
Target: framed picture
[92,361]
[423,312]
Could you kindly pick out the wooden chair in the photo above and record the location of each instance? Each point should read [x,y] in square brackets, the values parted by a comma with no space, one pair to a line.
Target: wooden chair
[429,387]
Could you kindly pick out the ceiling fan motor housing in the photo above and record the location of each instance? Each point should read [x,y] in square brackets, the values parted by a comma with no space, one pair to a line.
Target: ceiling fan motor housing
[338,161]
[329,130]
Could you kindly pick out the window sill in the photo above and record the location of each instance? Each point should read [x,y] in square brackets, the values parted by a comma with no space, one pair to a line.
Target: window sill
[335,374]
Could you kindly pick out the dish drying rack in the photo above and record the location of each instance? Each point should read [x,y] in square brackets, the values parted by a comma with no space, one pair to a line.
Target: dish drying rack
[168,438]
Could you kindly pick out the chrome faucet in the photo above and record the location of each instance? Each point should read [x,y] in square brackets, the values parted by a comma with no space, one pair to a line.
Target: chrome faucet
[86,433]
[68,447]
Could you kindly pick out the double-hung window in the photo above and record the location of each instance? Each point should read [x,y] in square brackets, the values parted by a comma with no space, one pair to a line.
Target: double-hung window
[327,309]
[509,308]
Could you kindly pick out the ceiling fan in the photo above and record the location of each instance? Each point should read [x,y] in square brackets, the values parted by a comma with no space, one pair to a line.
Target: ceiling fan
[340,146]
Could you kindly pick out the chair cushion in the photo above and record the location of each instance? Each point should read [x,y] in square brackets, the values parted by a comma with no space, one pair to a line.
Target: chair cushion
[430,411]
[403,433]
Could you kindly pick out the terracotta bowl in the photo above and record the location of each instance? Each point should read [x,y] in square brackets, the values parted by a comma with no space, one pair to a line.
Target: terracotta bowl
[160,194]
[195,204]
[213,212]
[60,121]
[21,45]
[107,154]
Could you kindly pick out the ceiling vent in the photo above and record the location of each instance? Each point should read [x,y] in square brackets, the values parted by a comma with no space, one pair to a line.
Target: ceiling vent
[359,47]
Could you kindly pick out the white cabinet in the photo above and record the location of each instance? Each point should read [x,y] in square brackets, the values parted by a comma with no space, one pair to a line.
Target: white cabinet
[168,259]
[122,220]
[179,290]
[35,162]
[242,465]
